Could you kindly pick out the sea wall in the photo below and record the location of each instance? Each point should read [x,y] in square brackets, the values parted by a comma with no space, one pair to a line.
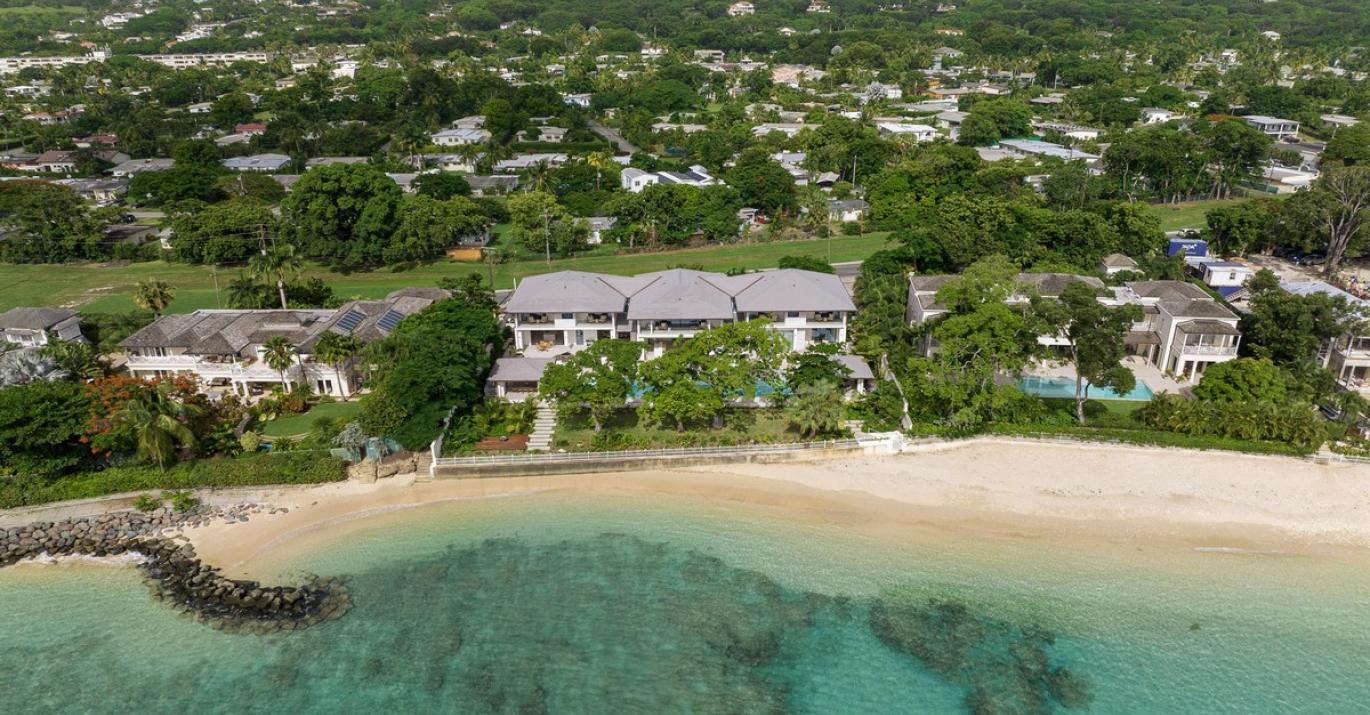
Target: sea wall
[583,464]
[174,574]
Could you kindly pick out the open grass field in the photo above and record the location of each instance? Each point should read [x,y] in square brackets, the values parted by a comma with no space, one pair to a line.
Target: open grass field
[108,287]
[1191,214]
[29,10]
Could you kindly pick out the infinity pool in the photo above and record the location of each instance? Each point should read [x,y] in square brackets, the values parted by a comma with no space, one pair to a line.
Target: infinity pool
[1065,387]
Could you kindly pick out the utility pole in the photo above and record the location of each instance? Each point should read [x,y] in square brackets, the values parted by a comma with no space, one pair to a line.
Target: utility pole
[547,235]
[214,271]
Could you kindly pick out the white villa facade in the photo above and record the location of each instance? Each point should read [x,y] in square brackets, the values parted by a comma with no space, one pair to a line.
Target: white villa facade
[562,312]
[1182,330]
[36,327]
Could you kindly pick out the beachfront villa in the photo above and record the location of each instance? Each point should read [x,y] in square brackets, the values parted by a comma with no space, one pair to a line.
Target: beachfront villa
[36,327]
[1347,356]
[560,313]
[224,348]
[1182,331]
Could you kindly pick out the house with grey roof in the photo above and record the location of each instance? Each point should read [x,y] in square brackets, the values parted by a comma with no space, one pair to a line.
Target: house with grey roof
[36,327]
[1183,329]
[269,163]
[1348,355]
[224,348]
[557,313]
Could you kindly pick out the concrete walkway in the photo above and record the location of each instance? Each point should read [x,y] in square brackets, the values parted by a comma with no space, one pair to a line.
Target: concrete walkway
[540,440]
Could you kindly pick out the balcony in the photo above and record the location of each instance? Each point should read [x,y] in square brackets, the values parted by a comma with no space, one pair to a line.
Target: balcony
[1218,350]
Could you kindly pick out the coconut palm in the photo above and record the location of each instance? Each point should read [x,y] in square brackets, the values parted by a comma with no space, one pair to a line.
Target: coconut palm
[154,295]
[244,292]
[334,349]
[159,425]
[600,160]
[279,355]
[281,263]
[816,408]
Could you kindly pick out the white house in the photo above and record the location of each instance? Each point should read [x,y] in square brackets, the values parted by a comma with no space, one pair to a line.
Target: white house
[739,9]
[36,327]
[847,210]
[562,312]
[1273,126]
[916,132]
[635,180]
[460,136]
[1156,115]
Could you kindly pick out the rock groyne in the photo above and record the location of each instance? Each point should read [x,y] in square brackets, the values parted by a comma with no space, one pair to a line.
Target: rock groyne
[175,575]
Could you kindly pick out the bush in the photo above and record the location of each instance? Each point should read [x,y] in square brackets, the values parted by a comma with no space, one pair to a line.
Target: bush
[147,502]
[851,228]
[1293,423]
[243,471]
[182,500]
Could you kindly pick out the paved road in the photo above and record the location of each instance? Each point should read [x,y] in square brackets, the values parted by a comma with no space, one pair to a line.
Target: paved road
[623,145]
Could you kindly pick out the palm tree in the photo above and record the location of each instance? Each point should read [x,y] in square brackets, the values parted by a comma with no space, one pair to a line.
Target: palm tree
[281,264]
[816,408]
[334,349]
[279,355]
[154,295]
[159,423]
[244,292]
[600,160]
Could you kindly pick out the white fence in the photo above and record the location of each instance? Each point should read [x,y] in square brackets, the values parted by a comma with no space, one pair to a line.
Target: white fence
[440,462]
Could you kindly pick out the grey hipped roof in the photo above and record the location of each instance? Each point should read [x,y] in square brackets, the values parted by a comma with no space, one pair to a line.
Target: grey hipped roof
[793,289]
[34,318]
[681,294]
[1210,327]
[519,369]
[860,369]
[566,291]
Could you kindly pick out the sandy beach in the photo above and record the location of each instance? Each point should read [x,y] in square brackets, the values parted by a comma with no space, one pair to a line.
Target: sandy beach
[1009,489]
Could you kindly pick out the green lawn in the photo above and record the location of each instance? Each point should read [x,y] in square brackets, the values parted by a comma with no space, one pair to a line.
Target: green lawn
[1191,214]
[108,287]
[291,425]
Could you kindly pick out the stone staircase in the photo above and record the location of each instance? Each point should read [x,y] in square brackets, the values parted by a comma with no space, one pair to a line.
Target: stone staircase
[541,438]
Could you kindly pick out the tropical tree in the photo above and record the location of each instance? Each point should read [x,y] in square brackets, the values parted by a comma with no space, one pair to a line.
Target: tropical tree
[699,377]
[816,408]
[76,358]
[154,295]
[598,380]
[158,423]
[335,349]
[245,292]
[280,263]
[1094,339]
[279,355]
[600,160]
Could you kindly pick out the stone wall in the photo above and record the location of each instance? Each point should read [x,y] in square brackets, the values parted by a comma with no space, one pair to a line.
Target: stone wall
[173,572]
[586,465]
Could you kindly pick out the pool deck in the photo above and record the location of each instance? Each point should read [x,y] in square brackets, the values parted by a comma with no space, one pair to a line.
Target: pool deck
[1145,372]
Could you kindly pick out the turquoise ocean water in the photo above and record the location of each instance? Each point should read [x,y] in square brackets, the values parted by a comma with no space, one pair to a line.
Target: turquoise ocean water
[572,603]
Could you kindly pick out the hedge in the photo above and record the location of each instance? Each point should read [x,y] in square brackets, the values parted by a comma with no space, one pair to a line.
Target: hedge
[1156,438]
[250,471]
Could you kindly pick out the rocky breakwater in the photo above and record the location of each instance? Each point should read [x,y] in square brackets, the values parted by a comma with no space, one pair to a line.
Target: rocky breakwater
[173,572]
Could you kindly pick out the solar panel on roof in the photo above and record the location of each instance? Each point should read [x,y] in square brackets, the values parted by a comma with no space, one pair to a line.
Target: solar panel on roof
[391,319]
[351,320]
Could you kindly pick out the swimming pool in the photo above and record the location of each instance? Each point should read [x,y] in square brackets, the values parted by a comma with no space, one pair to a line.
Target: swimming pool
[1065,387]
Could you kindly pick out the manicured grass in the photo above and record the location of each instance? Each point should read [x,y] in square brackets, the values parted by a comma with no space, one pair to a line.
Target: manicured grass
[291,425]
[34,10]
[626,431]
[108,287]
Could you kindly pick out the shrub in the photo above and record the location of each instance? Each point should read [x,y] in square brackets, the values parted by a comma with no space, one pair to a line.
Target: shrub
[250,442]
[147,502]
[851,228]
[182,500]
[1292,423]
[243,471]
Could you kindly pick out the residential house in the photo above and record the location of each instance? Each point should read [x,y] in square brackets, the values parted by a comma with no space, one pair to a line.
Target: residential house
[460,136]
[1077,132]
[916,132]
[1115,263]
[225,348]
[1347,356]
[847,210]
[789,129]
[268,163]
[1156,115]
[739,9]
[635,180]
[524,162]
[138,166]
[599,225]
[562,312]
[1273,126]
[1279,180]
[36,327]
[482,186]
[102,192]
[1182,331]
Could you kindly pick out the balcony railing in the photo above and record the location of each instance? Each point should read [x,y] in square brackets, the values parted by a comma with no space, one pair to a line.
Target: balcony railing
[1208,349]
